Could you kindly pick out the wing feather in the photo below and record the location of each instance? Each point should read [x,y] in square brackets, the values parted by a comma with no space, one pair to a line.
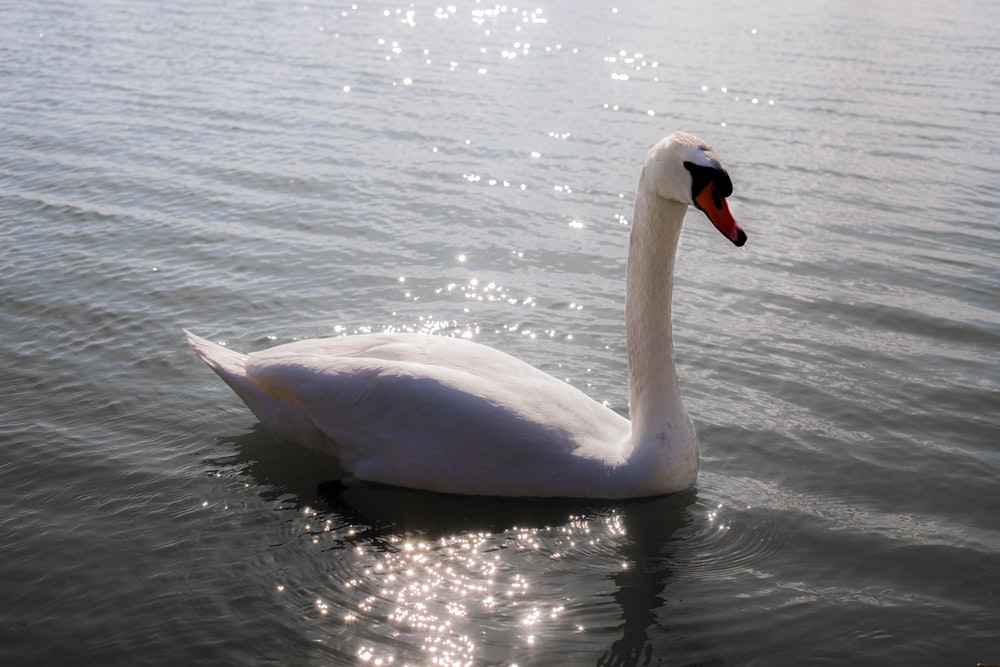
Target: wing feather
[440,412]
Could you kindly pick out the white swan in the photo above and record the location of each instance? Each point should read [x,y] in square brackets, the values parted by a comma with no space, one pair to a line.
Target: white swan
[449,415]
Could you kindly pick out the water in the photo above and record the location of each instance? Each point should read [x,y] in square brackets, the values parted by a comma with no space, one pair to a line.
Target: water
[269,171]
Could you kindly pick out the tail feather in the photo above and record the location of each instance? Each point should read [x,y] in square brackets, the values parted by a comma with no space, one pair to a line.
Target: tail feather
[281,416]
[229,365]
[221,359]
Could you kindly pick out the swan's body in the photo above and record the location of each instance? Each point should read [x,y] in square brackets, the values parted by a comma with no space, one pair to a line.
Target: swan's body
[449,415]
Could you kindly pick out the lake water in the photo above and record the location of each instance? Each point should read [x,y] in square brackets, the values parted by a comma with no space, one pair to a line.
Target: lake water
[266,171]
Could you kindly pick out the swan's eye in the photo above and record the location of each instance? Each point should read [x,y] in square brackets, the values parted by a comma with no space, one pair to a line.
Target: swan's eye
[701,176]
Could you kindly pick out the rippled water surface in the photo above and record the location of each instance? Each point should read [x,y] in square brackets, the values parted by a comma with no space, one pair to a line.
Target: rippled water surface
[268,171]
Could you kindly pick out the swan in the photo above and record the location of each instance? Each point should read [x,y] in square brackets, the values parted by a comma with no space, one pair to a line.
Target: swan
[450,415]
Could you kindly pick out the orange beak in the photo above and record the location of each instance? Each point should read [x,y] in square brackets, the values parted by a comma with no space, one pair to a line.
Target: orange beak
[714,206]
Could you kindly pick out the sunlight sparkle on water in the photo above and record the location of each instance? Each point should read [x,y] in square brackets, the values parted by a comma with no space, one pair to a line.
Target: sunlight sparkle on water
[432,595]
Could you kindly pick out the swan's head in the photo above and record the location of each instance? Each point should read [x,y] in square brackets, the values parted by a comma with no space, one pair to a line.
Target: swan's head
[683,168]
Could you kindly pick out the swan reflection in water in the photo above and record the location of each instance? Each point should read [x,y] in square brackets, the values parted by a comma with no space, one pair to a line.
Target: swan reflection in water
[408,574]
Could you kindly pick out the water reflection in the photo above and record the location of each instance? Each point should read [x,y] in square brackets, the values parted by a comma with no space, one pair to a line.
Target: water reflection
[280,473]
[651,532]
[410,575]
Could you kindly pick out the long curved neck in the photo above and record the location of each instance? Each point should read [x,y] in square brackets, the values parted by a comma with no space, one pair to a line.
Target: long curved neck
[656,409]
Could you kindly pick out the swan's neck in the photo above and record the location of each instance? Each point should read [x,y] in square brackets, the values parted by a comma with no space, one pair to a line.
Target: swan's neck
[661,431]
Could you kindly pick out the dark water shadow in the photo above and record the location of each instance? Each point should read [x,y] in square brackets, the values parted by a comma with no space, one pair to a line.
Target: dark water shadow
[394,511]
[652,527]
[654,530]
[281,472]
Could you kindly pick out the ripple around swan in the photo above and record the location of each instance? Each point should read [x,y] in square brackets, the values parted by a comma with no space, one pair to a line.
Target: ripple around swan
[403,575]
[392,574]
[728,537]
[407,579]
